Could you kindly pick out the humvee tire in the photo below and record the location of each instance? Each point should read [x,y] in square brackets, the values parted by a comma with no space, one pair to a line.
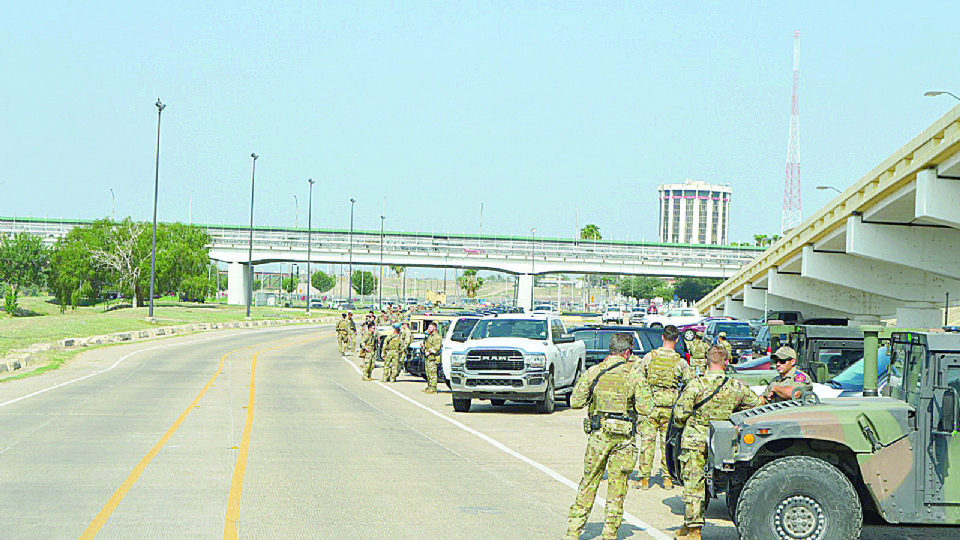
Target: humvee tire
[799,498]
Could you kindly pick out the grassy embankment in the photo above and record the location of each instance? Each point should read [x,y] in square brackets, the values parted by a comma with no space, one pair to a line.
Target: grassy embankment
[45,323]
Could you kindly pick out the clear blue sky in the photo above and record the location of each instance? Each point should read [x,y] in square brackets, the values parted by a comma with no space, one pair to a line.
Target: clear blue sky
[533,108]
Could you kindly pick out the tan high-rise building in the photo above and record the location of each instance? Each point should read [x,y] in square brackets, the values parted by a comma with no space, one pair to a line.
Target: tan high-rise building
[694,212]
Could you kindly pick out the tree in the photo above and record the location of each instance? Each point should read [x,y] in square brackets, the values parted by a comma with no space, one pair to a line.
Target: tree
[74,277]
[470,282]
[640,287]
[123,257]
[289,284]
[322,282]
[23,263]
[693,289]
[363,282]
[257,284]
[590,232]
[194,288]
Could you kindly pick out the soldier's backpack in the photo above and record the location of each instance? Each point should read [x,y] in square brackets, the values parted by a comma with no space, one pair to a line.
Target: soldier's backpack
[661,369]
[674,435]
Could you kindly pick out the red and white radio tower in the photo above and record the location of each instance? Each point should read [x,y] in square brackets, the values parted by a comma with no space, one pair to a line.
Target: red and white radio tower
[791,185]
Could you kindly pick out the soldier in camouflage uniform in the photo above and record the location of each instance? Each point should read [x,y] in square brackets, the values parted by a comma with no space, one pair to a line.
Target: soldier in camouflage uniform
[407,336]
[369,350]
[666,373]
[431,357]
[698,353]
[733,396]
[352,331]
[722,341]
[613,397]
[791,380]
[342,333]
[391,352]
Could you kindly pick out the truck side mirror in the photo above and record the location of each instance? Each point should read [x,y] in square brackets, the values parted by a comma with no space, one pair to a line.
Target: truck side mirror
[459,337]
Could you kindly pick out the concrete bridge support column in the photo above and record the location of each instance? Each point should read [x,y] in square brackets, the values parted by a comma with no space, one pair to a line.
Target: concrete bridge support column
[525,291]
[239,279]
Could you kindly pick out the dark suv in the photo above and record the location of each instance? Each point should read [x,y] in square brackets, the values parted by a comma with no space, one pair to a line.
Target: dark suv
[738,334]
[597,340]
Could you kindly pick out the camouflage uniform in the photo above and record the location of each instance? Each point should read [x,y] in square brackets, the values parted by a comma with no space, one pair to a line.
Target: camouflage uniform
[734,396]
[431,359]
[391,350]
[407,337]
[727,347]
[794,378]
[698,354]
[368,347]
[342,334]
[665,373]
[610,448]
[352,331]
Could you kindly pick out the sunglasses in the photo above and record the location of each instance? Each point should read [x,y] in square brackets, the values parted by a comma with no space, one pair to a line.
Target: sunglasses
[783,360]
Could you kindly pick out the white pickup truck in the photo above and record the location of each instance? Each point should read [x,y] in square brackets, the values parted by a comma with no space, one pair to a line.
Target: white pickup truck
[516,357]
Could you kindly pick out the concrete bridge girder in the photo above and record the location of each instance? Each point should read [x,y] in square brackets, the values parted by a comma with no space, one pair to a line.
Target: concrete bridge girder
[734,307]
[876,277]
[930,249]
[758,299]
[833,297]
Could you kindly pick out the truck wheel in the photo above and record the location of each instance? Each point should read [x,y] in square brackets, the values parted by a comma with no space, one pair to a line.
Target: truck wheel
[799,498]
[688,335]
[461,404]
[656,325]
[498,402]
[549,402]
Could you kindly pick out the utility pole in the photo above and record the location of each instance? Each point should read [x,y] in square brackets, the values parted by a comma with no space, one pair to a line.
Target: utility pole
[309,232]
[383,210]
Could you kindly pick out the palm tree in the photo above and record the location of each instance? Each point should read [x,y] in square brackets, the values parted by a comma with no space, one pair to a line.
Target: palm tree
[590,232]
[469,282]
[398,270]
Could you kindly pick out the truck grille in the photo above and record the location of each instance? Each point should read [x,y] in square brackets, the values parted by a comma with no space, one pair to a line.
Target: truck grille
[495,360]
[515,383]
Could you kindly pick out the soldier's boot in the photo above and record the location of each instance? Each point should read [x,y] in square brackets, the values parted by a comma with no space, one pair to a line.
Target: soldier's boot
[644,483]
[367,378]
[694,533]
[682,532]
[667,482]
[429,390]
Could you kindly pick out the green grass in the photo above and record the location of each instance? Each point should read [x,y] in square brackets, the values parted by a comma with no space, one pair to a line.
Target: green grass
[47,324]
[51,359]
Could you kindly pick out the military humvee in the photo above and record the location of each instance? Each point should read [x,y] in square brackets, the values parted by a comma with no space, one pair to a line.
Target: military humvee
[822,351]
[806,469]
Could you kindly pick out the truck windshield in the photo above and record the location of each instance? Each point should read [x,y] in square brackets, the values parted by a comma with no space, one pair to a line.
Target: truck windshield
[734,330]
[518,328]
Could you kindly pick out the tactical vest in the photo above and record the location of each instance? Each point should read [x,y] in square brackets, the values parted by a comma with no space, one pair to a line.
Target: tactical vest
[613,390]
[662,368]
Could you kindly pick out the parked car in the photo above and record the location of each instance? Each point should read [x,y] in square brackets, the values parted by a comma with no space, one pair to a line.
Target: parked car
[738,335]
[688,331]
[761,343]
[676,316]
[612,315]
[597,340]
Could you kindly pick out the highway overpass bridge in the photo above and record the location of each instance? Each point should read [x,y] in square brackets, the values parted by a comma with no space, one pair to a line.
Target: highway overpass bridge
[887,247]
[521,256]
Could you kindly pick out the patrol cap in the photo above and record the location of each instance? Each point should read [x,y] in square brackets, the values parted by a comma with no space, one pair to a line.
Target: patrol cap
[722,334]
[784,353]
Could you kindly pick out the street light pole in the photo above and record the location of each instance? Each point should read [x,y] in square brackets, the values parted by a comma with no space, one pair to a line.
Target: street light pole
[190,209]
[296,215]
[113,205]
[309,232]
[829,187]
[382,218]
[253,178]
[350,255]
[156,188]
[934,93]
[533,275]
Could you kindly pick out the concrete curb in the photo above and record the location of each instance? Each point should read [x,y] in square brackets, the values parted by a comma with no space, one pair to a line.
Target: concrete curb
[21,358]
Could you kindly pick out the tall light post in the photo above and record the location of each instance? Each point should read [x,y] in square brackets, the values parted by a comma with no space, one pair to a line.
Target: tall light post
[821,188]
[253,178]
[309,232]
[156,188]
[934,93]
[533,275]
[190,209]
[296,215]
[350,255]
[382,219]
[113,205]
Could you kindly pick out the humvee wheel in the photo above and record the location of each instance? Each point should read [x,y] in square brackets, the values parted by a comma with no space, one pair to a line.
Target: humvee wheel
[798,498]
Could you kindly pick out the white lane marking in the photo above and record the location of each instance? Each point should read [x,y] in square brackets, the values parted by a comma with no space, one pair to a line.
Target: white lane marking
[117,363]
[630,518]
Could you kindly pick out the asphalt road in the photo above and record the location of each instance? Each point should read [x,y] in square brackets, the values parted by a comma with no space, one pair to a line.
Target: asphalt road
[166,443]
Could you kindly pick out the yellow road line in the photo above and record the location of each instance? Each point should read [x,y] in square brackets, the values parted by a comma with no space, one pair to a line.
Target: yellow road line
[232,521]
[101,518]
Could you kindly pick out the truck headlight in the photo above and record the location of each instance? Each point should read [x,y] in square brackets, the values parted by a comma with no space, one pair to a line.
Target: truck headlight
[457,360]
[537,360]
